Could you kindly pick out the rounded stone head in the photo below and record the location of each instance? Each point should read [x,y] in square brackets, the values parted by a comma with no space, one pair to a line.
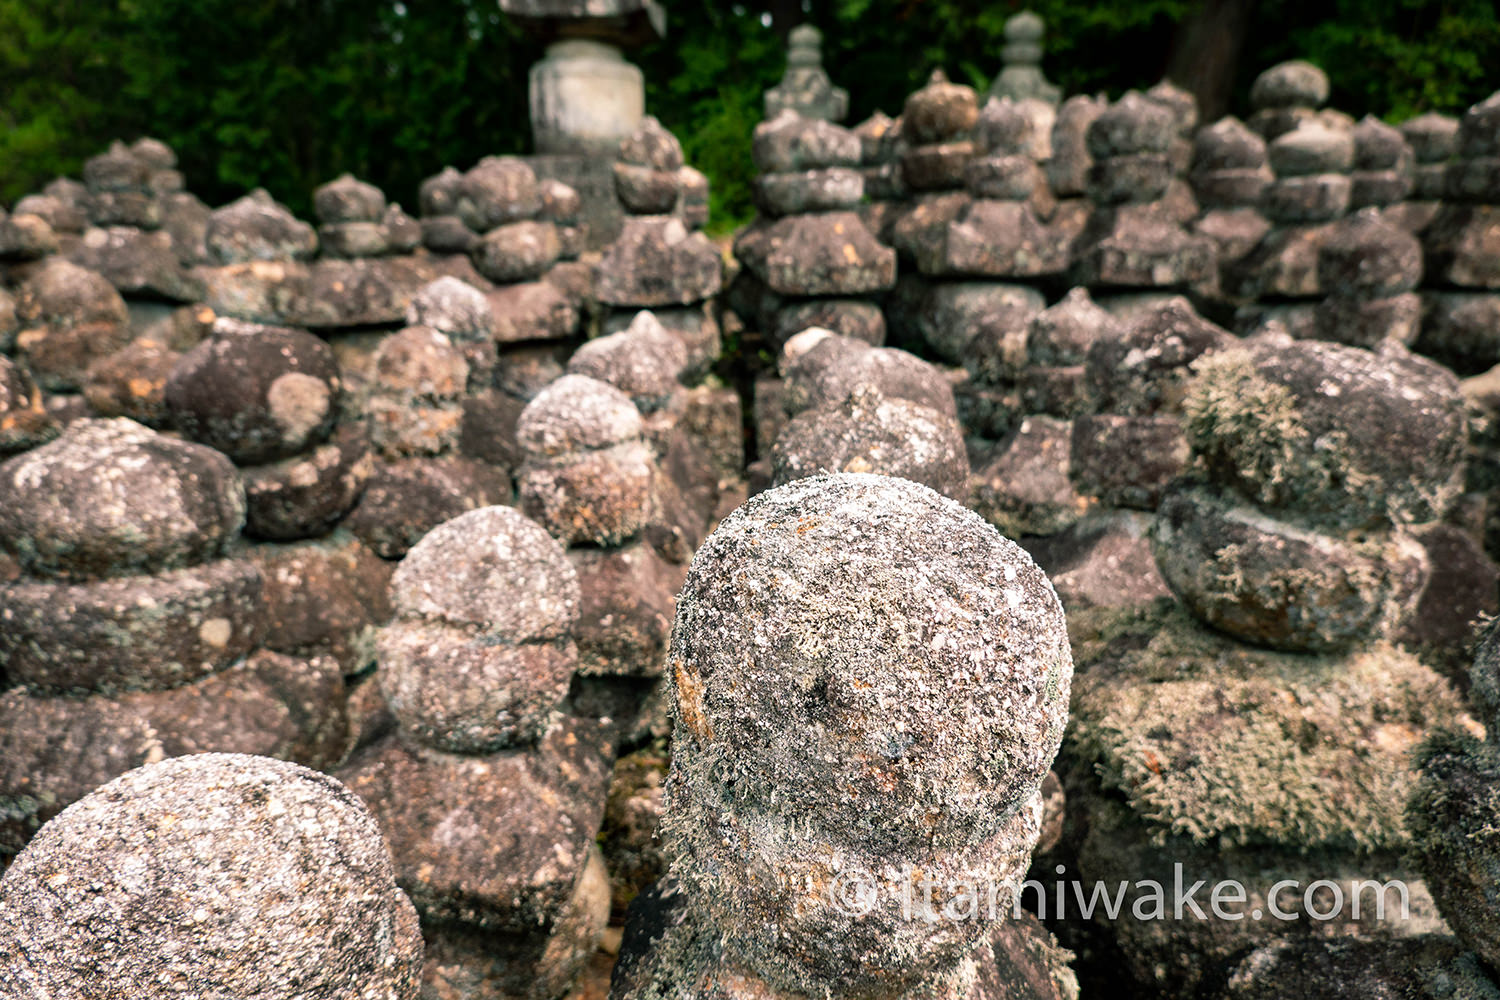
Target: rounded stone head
[868,678]
[211,875]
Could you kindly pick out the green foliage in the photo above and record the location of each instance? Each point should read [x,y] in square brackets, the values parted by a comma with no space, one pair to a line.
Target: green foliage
[287,94]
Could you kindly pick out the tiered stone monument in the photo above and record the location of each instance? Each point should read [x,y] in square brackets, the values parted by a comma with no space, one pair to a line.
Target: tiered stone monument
[1433,139]
[809,255]
[1462,310]
[660,261]
[1371,269]
[805,87]
[1134,240]
[770,825]
[892,419]
[585,97]
[489,800]
[1229,174]
[1296,565]
[133,633]
[1279,279]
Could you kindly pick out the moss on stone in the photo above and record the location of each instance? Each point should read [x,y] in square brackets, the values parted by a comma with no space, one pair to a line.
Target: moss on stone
[1227,744]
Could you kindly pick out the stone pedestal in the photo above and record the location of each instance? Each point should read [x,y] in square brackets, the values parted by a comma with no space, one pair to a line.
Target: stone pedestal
[585,98]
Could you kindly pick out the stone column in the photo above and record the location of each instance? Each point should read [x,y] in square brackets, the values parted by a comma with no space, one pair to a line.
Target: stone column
[585,96]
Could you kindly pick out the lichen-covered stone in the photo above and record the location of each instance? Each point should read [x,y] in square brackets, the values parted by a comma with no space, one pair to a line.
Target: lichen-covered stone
[1064,333]
[132,382]
[826,254]
[306,495]
[256,393]
[627,599]
[940,110]
[644,361]
[1147,370]
[495,842]
[1283,583]
[1103,560]
[651,145]
[480,652]
[657,261]
[1224,745]
[829,369]
[601,496]
[517,251]
[131,633]
[256,228]
[68,318]
[324,597]
[406,499]
[499,190]
[348,200]
[54,751]
[1023,486]
[577,413]
[1350,437]
[789,142]
[226,874]
[1427,967]
[1452,815]
[453,308]
[1127,461]
[785,673]
[870,433]
[110,497]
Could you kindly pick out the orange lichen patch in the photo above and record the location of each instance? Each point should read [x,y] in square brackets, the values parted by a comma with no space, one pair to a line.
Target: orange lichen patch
[690,701]
[141,387]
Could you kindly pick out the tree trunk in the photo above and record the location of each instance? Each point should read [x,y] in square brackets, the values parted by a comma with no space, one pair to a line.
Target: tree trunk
[1206,52]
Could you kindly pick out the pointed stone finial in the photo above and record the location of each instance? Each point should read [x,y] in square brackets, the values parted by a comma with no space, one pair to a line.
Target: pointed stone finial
[1021,77]
[806,88]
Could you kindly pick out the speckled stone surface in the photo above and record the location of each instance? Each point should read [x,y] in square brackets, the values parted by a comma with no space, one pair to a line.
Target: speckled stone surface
[828,633]
[111,497]
[212,875]
[481,650]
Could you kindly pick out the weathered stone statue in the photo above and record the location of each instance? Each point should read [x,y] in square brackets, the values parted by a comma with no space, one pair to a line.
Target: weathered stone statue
[1021,78]
[806,88]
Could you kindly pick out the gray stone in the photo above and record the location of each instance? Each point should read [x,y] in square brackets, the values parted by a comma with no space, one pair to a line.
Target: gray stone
[825,254]
[1023,486]
[256,393]
[1280,583]
[1147,369]
[657,262]
[805,87]
[816,681]
[1294,84]
[133,633]
[869,433]
[517,251]
[68,318]
[940,111]
[497,191]
[1127,461]
[306,495]
[348,200]
[787,143]
[644,362]
[110,497]
[480,651]
[54,751]
[229,874]
[825,370]
[1350,437]
[256,228]
[1020,77]
[409,498]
